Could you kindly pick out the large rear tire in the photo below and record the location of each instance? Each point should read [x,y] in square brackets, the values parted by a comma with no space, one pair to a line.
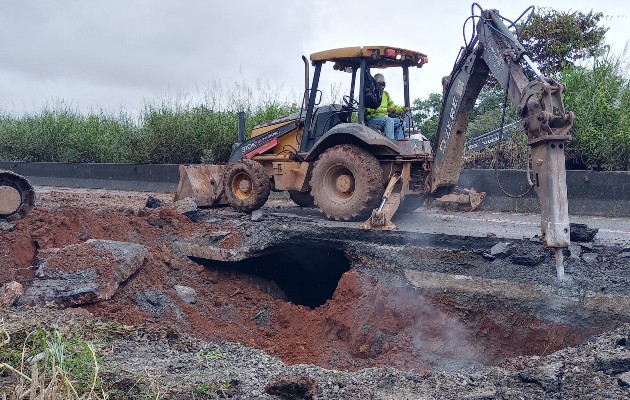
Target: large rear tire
[347,182]
[246,185]
[302,199]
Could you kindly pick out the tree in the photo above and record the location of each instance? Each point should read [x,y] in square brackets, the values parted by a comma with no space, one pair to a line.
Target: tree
[557,39]
[427,114]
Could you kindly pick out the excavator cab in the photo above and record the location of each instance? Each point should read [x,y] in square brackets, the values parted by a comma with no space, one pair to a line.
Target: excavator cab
[359,62]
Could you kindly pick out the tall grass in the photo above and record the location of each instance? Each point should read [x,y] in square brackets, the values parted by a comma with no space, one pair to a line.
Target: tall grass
[600,98]
[165,132]
[52,366]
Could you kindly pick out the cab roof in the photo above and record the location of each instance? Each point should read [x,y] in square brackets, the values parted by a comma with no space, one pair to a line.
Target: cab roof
[376,56]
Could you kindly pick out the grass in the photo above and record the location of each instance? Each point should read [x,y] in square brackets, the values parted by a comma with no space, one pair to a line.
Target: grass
[162,132]
[52,366]
[50,356]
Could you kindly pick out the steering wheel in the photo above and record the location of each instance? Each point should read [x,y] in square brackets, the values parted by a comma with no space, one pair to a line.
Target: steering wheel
[350,103]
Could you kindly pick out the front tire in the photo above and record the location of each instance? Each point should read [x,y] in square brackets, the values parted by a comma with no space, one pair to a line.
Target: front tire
[246,185]
[347,182]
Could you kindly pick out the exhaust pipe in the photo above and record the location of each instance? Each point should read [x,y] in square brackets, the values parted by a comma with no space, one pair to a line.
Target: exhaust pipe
[241,127]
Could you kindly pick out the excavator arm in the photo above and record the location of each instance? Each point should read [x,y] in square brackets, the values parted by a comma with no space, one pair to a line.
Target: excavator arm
[538,100]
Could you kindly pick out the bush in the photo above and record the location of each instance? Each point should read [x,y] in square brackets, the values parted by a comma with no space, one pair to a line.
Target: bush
[168,133]
[600,98]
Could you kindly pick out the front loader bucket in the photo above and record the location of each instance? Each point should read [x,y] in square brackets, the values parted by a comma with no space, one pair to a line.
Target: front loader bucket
[202,183]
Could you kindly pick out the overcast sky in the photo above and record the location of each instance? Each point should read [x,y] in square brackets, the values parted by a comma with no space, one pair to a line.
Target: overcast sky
[113,54]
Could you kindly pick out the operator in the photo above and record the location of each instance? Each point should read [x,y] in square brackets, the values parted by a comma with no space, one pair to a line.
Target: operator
[394,127]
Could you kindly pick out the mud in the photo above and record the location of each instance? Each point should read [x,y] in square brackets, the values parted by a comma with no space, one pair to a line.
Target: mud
[335,297]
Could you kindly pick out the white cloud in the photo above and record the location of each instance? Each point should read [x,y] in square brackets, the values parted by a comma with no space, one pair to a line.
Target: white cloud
[101,54]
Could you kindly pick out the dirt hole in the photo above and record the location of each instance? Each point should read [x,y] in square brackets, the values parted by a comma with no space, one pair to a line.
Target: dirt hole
[307,275]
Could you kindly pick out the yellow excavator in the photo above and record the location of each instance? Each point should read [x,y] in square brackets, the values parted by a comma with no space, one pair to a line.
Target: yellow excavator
[330,156]
[17,197]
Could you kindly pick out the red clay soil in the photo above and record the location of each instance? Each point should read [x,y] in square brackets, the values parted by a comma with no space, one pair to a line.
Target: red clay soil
[366,323]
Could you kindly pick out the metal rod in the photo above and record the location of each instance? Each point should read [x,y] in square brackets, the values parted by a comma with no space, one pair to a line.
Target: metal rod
[241,127]
[532,65]
[362,72]
[559,263]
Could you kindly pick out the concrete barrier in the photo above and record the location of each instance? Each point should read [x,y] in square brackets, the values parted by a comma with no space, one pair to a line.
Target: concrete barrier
[604,194]
[141,177]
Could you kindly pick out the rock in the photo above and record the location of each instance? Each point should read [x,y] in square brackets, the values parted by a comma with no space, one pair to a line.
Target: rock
[153,202]
[613,363]
[193,215]
[482,394]
[6,226]
[588,246]
[83,273]
[624,380]
[292,387]
[582,233]
[257,215]
[574,251]
[590,258]
[624,255]
[159,304]
[528,255]
[548,376]
[184,206]
[9,293]
[501,249]
[187,294]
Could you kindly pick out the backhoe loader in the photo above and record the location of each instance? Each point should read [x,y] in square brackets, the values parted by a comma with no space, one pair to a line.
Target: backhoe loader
[329,155]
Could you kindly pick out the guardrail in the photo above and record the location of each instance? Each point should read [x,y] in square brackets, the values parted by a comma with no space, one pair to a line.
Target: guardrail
[478,143]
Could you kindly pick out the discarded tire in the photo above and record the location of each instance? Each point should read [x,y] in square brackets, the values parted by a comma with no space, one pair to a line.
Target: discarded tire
[17,197]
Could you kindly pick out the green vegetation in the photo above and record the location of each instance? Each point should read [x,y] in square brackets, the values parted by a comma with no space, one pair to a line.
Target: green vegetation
[171,132]
[570,47]
[600,98]
[51,366]
[70,362]
[161,134]
[559,39]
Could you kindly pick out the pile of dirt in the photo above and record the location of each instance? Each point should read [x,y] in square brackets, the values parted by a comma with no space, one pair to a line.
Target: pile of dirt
[228,306]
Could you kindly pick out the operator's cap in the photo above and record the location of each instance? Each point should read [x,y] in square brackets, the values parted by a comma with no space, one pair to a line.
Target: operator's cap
[379,78]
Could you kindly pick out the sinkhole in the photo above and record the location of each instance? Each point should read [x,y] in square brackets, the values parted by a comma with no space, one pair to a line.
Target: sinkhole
[438,311]
[307,274]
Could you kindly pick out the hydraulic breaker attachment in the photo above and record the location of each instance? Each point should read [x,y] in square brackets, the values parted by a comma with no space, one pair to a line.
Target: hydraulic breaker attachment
[551,186]
[203,183]
[17,197]
[381,217]
[468,199]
